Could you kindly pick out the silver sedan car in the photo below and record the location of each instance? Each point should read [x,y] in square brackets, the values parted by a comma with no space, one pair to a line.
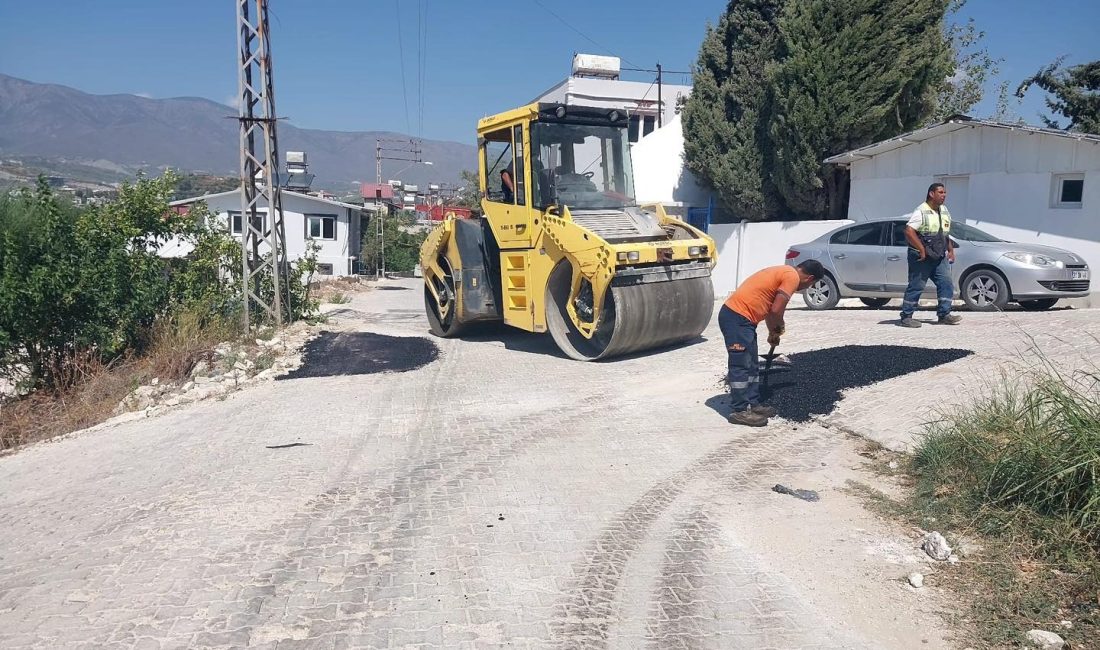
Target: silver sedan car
[867,260]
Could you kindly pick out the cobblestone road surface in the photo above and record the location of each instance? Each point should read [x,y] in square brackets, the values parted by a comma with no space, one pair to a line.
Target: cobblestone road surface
[501,495]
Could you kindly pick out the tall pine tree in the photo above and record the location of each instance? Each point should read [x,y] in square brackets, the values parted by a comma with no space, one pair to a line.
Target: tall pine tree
[850,73]
[1075,94]
[781,85]
[726,115]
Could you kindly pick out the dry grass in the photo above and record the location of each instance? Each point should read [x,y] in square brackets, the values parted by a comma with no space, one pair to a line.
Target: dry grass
[178,343]
[338,290]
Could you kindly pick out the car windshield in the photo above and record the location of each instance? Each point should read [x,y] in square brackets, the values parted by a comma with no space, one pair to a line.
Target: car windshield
[582,167]
[970,233]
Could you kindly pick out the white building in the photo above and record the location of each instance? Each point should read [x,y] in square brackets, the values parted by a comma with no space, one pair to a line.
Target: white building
[1020,183]
[336,227]
[595,82]
[657,151]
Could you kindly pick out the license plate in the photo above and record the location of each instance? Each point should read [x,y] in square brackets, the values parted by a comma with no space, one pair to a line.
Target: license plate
[1079,275]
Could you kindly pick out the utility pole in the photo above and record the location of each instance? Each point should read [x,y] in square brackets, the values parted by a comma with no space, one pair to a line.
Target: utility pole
[660,81]
[259,171]
[412,148]
[660,104]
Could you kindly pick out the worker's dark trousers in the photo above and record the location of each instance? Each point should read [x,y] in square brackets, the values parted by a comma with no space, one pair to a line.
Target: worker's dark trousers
[744,366]
[920,271]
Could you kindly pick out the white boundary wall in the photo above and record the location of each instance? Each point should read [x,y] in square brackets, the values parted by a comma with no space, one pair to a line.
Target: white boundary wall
[745,248]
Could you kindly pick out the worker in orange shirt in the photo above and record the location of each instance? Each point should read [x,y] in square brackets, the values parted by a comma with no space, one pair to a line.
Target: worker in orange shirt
[762,297]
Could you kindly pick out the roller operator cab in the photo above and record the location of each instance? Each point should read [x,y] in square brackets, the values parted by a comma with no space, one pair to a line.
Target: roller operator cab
[562,246]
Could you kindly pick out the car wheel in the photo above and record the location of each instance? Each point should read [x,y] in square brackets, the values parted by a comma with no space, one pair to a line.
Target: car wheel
[822,294]
[985,290]
[1039,304]
[874,303]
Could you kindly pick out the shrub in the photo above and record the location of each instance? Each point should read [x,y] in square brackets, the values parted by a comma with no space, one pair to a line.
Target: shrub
[1026,452]
[87,285]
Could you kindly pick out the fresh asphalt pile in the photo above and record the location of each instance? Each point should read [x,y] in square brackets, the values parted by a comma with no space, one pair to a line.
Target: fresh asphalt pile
[812,383]
[362,353]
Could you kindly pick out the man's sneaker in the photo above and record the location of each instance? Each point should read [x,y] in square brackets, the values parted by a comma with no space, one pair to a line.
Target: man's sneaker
[748,418]
[909,322]
[950,319]
[766,411]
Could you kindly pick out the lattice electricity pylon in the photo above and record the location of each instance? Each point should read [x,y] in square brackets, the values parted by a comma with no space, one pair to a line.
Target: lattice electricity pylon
[265,272]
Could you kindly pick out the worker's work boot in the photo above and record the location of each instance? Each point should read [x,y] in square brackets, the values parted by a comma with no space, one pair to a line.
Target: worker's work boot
[766,411]
[748,418]
[909,322]
[950,319]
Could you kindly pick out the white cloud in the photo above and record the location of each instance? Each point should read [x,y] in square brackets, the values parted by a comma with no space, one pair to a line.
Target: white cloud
[145,95]
[232,100]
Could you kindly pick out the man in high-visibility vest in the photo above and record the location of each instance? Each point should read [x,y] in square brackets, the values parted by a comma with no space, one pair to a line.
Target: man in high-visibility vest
[931,255]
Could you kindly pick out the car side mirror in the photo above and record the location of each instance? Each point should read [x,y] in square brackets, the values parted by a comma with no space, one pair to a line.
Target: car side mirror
[954,243]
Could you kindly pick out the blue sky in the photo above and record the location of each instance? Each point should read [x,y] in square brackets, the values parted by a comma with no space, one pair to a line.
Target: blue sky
[338,63]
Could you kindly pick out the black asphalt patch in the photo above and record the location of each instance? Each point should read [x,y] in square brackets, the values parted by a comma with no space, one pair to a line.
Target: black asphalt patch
[813,382]
[362,353]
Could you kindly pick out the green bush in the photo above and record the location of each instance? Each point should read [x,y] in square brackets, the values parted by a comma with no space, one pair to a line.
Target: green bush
[81,285]
[402,244]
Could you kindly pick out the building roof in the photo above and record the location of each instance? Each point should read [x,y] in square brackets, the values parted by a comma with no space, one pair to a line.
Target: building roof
[308,197]
[370,190]
[951,124]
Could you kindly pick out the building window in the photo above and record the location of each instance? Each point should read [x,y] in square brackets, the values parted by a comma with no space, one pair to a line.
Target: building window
[321,226]
[259,222]
[324,269]
[640,126]
[1067,190]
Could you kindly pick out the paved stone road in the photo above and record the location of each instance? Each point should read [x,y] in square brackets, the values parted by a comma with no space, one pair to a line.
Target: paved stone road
[500,496]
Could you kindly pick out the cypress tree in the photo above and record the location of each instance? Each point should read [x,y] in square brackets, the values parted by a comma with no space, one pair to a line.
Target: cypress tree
[849,73]
[726,115]
[1074,93]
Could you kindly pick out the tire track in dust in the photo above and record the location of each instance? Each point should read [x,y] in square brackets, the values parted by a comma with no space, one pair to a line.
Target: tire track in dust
[683,576]
[389,517]
[692,594]
[589,612]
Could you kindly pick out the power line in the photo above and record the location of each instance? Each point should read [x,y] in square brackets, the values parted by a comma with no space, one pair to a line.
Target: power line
[427,15]
[583,35]
[422,62]
[401,51]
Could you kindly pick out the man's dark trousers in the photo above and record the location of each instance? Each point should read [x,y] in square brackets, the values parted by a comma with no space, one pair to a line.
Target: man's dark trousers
[920,271]
[744,366]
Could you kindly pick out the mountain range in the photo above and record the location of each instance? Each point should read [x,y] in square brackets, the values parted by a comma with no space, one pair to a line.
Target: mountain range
[192,134]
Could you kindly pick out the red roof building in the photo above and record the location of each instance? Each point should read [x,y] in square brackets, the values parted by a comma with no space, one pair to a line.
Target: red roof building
[375,191]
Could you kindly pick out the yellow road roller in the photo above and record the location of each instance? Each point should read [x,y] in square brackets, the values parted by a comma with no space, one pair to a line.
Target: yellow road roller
[563,246]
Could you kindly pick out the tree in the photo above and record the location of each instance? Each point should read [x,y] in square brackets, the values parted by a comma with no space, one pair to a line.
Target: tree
[780,85]
[402,244]
[725,117]
[77,286]
[973,67]
[850,73]
[192,185]
[1076,94]
[469,195]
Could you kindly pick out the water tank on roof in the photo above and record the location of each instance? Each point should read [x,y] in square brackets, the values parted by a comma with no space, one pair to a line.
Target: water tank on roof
[594,65]
[296,158]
